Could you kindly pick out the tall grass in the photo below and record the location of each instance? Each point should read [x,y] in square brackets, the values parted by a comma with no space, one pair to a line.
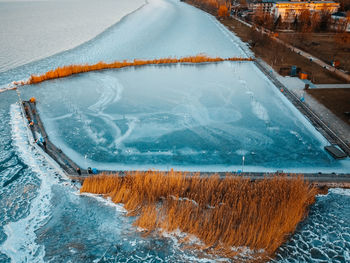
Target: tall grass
[222,212]
[65,71]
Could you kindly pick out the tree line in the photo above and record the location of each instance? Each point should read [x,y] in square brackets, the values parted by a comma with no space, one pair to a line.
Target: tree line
[305,22]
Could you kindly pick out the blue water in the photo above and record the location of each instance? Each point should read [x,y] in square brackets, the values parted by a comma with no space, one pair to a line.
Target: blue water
[42,216]
[203,117]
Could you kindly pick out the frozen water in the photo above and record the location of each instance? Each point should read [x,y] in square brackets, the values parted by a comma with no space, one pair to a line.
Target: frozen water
[204,116]
[32,30]
[159,29]
[20,245]
[325,235]
[181,116]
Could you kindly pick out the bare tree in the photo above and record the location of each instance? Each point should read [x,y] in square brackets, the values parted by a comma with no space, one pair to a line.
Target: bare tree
[258,17]
[315,21]
[325,20]
[305,21]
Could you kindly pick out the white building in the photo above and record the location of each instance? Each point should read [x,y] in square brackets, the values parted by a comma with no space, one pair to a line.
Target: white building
[289,9]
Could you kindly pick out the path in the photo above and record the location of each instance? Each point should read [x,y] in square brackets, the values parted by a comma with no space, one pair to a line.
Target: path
[333,86]
[300,52]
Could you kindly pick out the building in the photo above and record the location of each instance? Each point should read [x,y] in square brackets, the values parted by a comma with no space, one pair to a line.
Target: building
[288,10]
[341,21]
[266,6]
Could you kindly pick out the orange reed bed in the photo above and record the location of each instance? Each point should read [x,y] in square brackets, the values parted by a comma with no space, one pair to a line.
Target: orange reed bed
[222,212]
[66,71]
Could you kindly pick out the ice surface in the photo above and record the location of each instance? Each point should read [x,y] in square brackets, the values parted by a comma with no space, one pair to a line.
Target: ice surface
[162,28]
[205,116]
[325,235]
[20,245]
[63,23]
[191,117]
[43,219]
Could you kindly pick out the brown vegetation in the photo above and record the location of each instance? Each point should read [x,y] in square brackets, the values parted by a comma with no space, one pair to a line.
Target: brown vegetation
[211,5]
[277,55]
[65,71]
[326,46]
[304,22]
[224,213]
[223,11]
[344,5]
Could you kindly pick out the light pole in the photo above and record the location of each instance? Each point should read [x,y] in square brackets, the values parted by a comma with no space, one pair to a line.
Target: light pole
[242,163]
[85,161]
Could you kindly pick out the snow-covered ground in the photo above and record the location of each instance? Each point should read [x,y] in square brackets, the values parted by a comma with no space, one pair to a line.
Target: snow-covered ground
[31,30]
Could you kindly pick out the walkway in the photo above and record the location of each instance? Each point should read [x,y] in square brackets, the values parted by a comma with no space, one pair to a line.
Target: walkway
[301,52]
[332,86]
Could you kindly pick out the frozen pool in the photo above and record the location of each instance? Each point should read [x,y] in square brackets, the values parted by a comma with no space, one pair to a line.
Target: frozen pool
[192,117]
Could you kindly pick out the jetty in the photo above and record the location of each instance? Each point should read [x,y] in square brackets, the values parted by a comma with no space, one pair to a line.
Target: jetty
[39,139]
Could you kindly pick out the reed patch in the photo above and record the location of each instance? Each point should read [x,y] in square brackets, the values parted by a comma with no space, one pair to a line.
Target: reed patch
[227,214]
[69,70]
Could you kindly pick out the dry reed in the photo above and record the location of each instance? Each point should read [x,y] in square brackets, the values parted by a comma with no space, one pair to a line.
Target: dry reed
[222,212]
[66,71]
